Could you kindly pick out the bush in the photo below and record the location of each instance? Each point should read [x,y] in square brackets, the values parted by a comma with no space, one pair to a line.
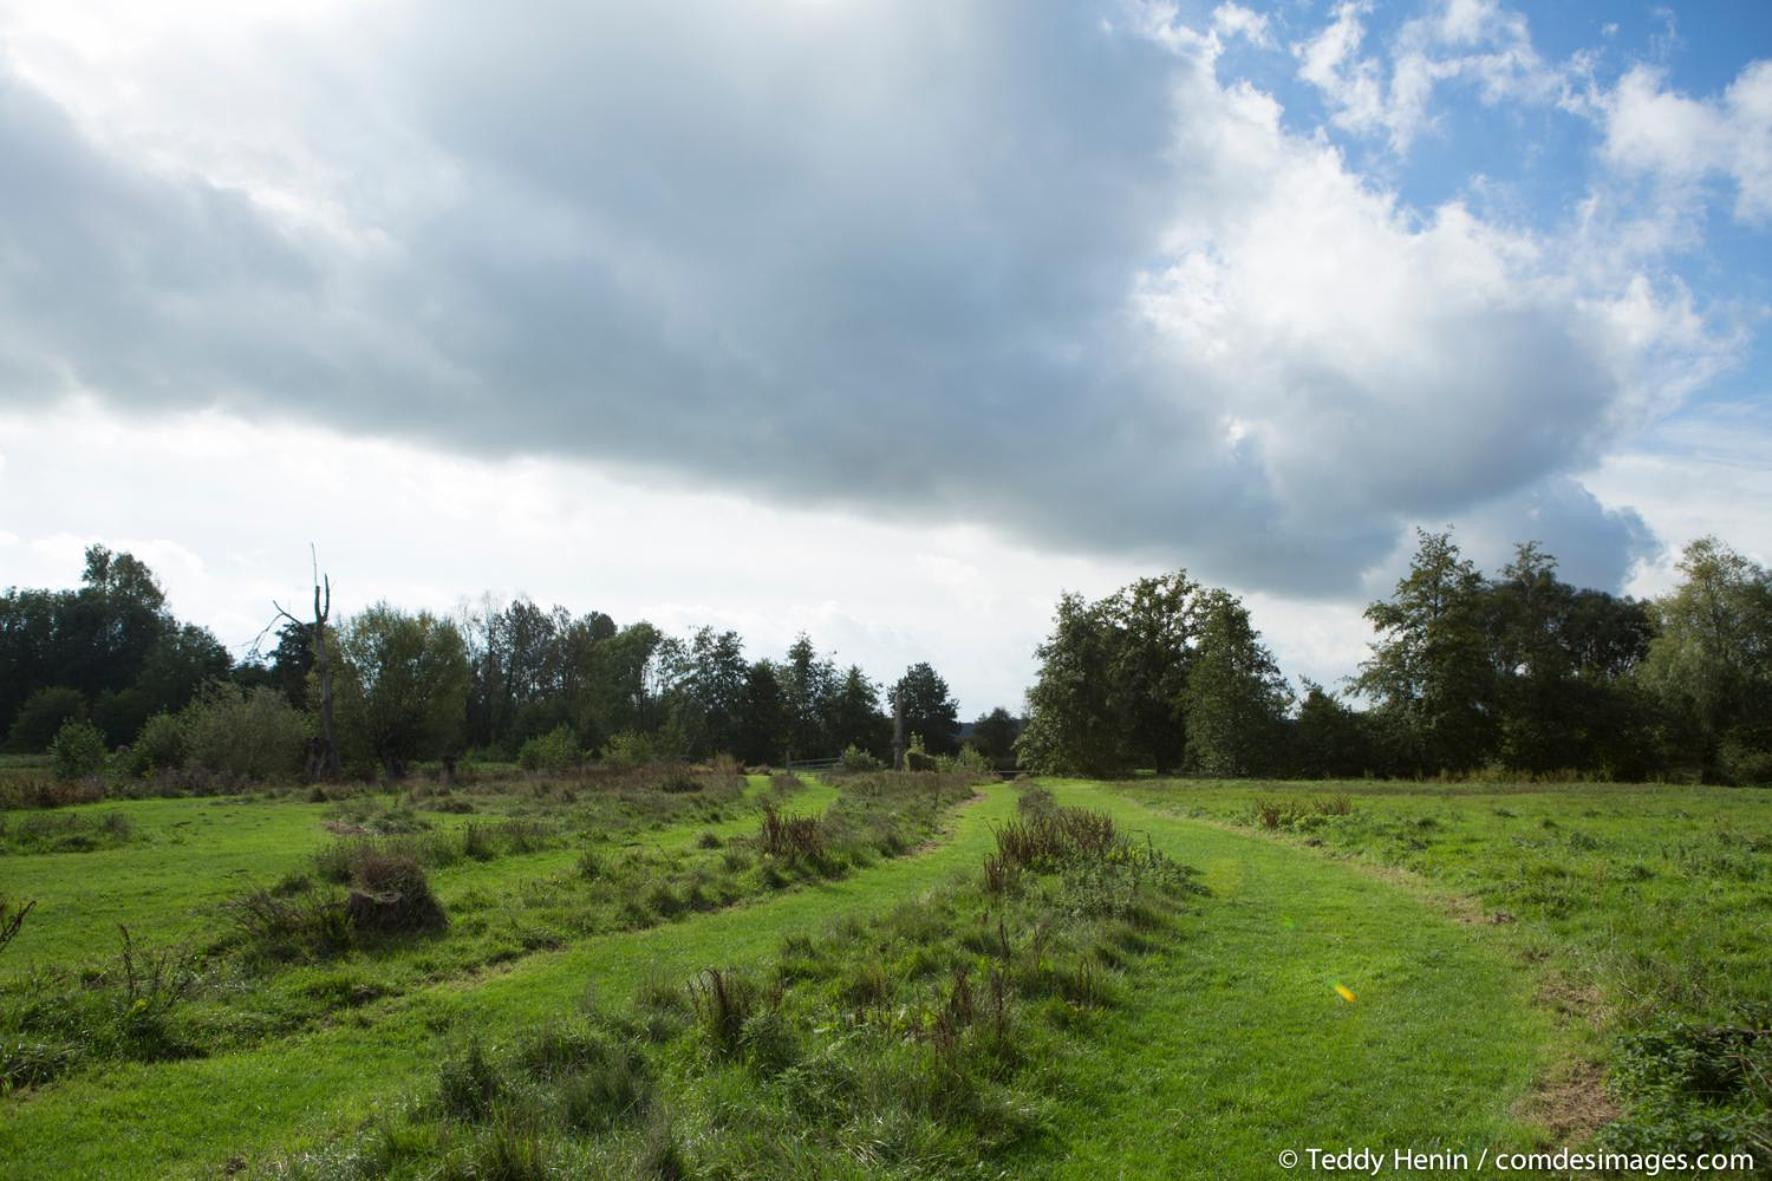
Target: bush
[252,737]
[78,750]
[159,746]
[557,750]
[1744,763]
[795,838]
[631,749]
[860,761]
[42,716]
[968,761]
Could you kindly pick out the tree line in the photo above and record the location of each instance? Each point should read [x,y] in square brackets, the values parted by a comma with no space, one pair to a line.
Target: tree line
[1518,672]
[412,686]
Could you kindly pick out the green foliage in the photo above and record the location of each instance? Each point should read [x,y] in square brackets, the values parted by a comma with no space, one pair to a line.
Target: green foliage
[1108,695]
[1329,740]
[251,736]
[632,749]
[706,680]
[77,751]
[43,715]
[404,685]
[112,643]
[1235,700]
[994,735]
[557,750]
[858,761]
[65,832]
[1430,669]
[54,1020]
[928,707]
[162,744]
[1710,664]
[968,762]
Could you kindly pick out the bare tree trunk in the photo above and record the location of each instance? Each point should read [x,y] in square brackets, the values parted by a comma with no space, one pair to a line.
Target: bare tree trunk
[898,735]
[331,767]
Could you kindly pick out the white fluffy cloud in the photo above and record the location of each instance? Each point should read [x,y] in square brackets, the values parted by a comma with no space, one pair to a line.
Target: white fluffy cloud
[1655,130]
[674,282]
[1476,42]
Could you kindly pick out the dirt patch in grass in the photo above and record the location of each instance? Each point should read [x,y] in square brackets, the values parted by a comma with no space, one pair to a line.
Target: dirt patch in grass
[1571,1103]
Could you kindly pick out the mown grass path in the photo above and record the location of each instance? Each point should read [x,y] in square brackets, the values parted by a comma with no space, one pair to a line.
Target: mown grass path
[1247,1050]
[188,1118]
[192,854]
[1244,1050]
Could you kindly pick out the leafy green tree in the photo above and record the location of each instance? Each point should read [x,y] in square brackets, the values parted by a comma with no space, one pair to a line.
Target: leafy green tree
[78,750]
[43,715]
[162,744]
[1329,740]
[244,735]
[619,685]
[1563,657]
[1710,663]
[1154,624]
[707,678]
[1073,726]
[1431,671]
[928,707]
[557,750]
[994,734]
[1235,700]
[763,720]
[854,715]
[291,660]
[1109,692]
[407,685]
[182,660]
[807,683]
[96,640]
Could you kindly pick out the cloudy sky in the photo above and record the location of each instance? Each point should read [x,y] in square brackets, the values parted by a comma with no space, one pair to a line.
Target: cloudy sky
[883,320]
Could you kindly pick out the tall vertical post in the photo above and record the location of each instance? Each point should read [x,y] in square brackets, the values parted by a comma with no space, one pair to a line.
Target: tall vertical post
[898,734]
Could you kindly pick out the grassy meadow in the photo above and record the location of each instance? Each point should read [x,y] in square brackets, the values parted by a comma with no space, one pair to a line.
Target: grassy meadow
[700,973]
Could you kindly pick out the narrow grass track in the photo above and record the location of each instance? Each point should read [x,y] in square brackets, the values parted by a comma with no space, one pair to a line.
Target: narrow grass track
[188,1118]
[1244,1050]
[1247,1050]
[166,885]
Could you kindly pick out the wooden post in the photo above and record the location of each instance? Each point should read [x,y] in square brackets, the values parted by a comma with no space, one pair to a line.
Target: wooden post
[898,735]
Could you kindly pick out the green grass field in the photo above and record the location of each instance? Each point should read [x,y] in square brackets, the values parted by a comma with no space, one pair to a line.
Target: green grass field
[913,994]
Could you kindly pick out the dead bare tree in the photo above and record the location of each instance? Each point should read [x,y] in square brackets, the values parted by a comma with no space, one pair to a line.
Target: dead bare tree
[330,767]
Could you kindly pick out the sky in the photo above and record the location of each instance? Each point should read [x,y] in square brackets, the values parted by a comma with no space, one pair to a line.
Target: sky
[885,321]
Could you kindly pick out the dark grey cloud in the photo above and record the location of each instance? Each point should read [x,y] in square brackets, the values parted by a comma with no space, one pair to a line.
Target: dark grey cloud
[1020,264]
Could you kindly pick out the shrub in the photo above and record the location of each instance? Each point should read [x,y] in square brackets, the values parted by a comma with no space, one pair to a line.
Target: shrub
[631,749]
[859,761]
[160,745]
[790,837]
[42,716]
[77,751]
[969,761]
[292,925]
[250,736]
[557,750]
